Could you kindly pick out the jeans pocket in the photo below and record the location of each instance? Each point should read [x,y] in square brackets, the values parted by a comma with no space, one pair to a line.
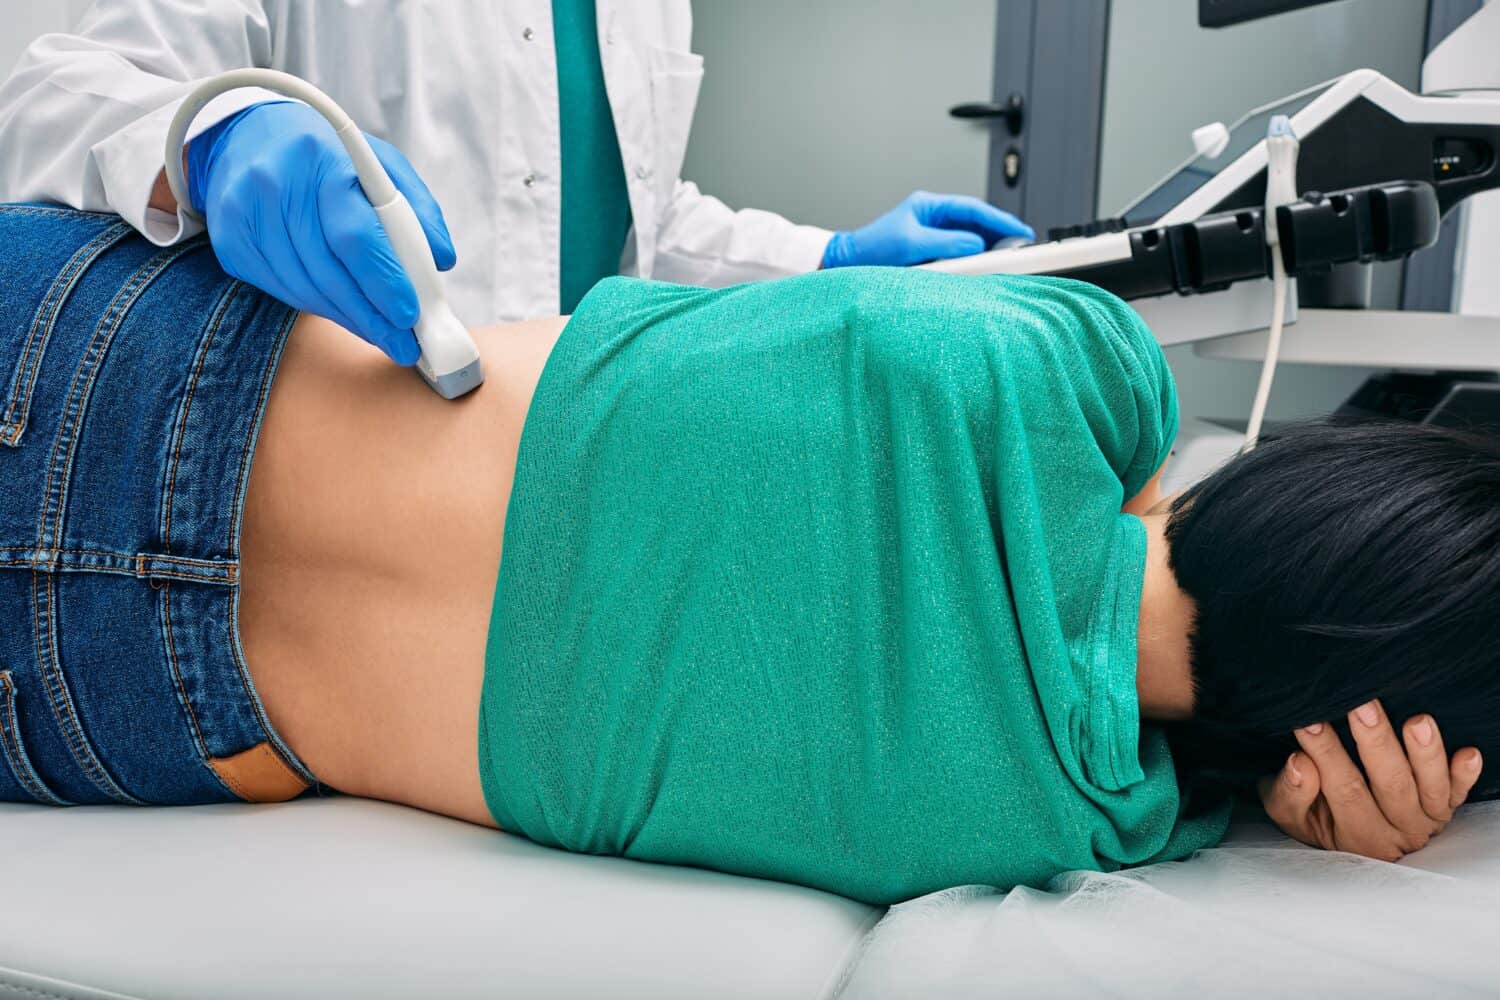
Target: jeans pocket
[21,770]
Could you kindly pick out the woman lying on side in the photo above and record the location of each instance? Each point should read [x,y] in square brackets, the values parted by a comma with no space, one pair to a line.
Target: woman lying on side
[859,579]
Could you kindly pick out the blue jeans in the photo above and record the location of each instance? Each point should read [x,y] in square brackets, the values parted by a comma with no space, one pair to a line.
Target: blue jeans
[132,383]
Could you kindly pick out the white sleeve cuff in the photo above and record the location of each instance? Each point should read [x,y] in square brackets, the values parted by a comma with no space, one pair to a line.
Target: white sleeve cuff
[130,160]
[704,242]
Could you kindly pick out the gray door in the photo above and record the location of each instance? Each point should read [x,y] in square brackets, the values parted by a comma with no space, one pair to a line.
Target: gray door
[1049,59]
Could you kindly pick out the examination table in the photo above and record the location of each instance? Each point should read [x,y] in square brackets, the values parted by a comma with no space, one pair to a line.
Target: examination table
[342,897]
[347,898]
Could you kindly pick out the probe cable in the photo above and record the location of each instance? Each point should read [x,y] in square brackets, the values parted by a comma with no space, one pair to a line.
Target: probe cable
[1281,189]
[450,361]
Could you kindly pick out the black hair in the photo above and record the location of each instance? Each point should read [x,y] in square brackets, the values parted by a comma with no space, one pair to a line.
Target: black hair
[1334,564]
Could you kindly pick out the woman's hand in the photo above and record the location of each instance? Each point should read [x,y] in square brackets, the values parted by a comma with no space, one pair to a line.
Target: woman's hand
[1321,798]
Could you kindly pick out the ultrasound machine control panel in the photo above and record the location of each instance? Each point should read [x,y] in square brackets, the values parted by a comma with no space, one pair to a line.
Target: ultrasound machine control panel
[1378,168]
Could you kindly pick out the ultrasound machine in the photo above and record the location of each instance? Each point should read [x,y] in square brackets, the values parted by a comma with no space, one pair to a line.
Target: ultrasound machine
[1376,169]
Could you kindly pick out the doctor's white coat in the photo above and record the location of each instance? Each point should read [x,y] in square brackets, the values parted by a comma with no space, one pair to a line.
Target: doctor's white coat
[467,89]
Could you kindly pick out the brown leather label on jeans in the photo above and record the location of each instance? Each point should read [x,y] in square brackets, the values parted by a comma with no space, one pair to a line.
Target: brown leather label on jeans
[259,775]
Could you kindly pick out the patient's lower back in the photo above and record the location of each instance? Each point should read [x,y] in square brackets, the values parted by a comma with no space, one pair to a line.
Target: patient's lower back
[372,533]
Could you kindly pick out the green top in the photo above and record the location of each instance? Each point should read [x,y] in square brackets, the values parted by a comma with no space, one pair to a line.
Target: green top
[826,580]
[595,205]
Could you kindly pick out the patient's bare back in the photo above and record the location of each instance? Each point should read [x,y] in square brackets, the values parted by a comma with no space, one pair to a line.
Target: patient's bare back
[372,533]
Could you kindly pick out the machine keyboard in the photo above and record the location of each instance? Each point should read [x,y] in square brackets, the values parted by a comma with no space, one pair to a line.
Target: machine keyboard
[1115,224]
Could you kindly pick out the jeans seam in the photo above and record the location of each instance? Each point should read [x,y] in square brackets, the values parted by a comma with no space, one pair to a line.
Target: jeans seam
[179,435]
[24,209]
[179,430]
[61,699]
[140,565]
[224,580]
[247,452]
[227,581]
[21,766]
[113,553]
[187,703]
[80,391]
[23,383]
[75,408]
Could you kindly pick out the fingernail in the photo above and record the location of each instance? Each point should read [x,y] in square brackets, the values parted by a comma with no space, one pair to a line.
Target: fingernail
[1367,714]
[1314,729]
[1475,761]
[1292,774]
[1422,731]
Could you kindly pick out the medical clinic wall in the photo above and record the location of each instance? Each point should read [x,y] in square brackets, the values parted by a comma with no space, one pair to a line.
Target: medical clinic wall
[831,110]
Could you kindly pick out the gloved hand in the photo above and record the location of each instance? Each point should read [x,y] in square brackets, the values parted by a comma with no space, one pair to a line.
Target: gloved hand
[286,214]
[925,227]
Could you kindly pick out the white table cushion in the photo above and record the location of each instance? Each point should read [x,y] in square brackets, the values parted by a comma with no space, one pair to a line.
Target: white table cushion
[1259,916]
[349,898]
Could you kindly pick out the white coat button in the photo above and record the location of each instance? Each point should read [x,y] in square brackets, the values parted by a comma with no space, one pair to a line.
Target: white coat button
[528,34]
[641,172]
[529,180]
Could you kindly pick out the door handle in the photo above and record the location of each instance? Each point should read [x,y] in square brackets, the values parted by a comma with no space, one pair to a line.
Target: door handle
[1012,109]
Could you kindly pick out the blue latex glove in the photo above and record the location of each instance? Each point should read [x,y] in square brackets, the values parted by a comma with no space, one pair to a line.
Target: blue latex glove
[925,227]
[286,214]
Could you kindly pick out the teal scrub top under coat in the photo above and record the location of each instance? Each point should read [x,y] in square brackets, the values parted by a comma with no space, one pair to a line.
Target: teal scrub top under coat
[595,203]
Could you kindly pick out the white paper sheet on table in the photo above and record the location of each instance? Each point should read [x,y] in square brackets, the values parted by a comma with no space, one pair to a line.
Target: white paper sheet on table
[1259,915]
